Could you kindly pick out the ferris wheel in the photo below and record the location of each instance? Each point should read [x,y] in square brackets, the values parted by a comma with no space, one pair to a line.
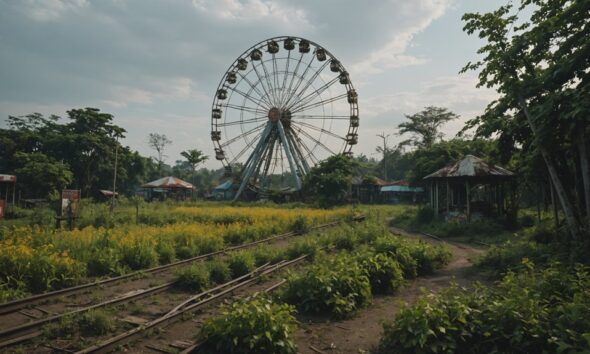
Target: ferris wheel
[283,105]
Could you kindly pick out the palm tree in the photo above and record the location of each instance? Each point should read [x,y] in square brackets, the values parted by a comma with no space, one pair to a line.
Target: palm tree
[194,157]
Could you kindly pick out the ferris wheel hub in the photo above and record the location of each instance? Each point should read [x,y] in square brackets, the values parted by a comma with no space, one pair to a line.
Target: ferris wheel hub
[284,115]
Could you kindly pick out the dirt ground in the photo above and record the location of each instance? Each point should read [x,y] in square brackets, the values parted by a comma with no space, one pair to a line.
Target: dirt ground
[362,332]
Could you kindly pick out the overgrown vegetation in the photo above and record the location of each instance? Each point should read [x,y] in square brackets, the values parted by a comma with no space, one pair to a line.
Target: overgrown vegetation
[251,326]
[533,311]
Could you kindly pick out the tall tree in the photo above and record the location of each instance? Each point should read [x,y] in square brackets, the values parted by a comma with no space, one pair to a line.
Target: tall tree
[159,142]
[194,157]
[537,56]
[330,180]
[424,126]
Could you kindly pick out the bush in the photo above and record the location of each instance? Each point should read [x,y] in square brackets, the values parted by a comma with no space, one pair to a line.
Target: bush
[301,225]
[337,286]
[508,256]
[429,257]
[530,312]
[193,278]
[219,272]
[300,247]
[345,241]
[241,263]
[251,326]
[394,247]
[385,274]
[263,255]
[139,256]
[104,262]
[96,323]
[424,215]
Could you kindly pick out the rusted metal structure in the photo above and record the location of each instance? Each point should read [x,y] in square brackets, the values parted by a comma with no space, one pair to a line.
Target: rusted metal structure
[467,184]
[282,106]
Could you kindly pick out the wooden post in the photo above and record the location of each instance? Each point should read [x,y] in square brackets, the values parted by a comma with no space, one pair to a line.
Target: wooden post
[554,206]
[432,194]
[448,199]
[436,198]
[467,197]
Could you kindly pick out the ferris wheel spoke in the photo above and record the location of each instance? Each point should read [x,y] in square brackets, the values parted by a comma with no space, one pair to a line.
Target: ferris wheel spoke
[313,95]
[318,129]
[270,86]
[316,141]
[320,103]
[243,135]
[260,78]
[244,149]
[318,117]
[285,76]
[299,158]
[310,153]
[301,78]
[288,92]
[310,81]
[245,121]
[253,86]
[242,108]
[275,69]
[268,157]
[258,102]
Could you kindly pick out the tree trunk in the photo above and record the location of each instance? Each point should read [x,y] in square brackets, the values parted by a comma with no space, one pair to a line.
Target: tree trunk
[585,172]
[564,200]
[554,206]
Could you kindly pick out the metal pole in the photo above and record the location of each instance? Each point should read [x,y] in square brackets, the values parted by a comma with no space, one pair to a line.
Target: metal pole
[289,156]
[253,160]
[115,176]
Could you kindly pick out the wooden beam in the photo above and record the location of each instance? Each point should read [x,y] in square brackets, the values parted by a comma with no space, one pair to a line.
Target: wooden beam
[448,199]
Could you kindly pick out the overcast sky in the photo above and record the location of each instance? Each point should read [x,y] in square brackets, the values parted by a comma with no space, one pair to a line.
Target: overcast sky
[155,65]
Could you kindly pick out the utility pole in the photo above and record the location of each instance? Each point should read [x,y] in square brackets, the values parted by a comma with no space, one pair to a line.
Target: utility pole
[384,137]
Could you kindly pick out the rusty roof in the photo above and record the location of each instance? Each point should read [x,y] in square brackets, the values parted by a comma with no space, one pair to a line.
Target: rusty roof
[471,166]
[168,182]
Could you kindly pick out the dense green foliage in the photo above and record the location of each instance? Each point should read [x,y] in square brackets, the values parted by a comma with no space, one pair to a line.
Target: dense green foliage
[543,311]
[194,278]
[251,326]
[330,180]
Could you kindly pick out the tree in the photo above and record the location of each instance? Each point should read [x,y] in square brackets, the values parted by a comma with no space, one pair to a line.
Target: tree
[194,157]
[540,66]
[330,180]
[42,174]
[424,126]
[159,142]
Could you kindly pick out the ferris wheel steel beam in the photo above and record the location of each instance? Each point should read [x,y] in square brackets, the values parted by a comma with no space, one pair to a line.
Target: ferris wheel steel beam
[301,78]
[304,165]
[289,155]
[252,162]
[312,95]
[310,81]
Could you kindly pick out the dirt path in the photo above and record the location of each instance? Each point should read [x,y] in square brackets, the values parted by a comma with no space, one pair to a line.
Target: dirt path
[361,333]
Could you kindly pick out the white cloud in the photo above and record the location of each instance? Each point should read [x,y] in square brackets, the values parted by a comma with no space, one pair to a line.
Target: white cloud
[392,54]
[50,10]
[252,10]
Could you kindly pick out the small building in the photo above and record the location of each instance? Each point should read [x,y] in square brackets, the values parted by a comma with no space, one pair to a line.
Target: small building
[469,187]
[166,188]
[401,192]
[224,191]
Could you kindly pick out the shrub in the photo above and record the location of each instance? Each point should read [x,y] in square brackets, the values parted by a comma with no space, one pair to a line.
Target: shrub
[300,247]
[104,262]
[345,241]
[219,272]
[264,255]
[301,225]
[385,274]
[529,312]
[429,257]
[509,256]
[241,263]
[337,286]
[193,278]
[394,247]
[424,215]
[139,256]
[251,326]
[96,323]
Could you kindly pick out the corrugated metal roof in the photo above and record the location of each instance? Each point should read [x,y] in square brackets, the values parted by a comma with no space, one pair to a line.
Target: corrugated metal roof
[168,182]
[470,166]
[224,186]
[399,188]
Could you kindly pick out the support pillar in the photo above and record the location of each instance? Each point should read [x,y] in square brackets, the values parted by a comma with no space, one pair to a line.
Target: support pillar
[448,199]
[468,197]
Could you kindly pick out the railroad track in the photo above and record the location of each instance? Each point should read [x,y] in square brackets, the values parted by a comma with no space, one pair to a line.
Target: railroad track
[32,329]
[190,305]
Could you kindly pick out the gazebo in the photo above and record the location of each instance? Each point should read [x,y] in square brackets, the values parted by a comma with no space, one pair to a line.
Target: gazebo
[469,185]
[168,185]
